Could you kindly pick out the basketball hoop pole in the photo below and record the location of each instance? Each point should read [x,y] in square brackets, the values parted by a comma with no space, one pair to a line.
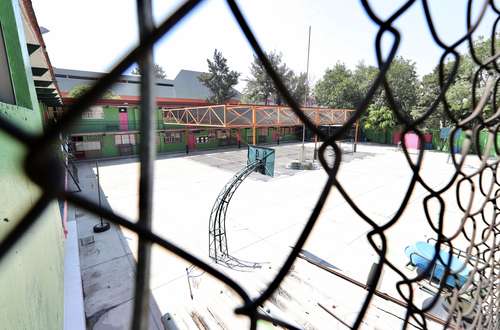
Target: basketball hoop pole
[302,155]
[101,226]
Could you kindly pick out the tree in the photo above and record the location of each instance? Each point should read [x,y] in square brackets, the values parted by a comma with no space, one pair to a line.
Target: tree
[337,88]
[482,48]
[403,81]
[428,92]
[380,118]
[297,85]
[219,79]
[157,69]
[343,88]
[80,90]
[260,87]
[458,96]
[364,76]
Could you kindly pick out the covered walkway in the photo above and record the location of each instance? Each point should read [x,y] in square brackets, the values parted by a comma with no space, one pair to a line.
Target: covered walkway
[254,116]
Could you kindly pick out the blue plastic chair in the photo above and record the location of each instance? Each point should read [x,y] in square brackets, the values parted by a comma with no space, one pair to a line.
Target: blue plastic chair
[421,255]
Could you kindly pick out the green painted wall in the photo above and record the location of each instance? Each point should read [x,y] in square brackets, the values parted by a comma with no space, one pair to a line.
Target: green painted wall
[171,147]
[159,120]
[483,140]
[110,122]
[246,135]
[133,119]
[288,137]
[17,53]
[211,144]
[31,275]
[110,119]
[378,136]
[109,149]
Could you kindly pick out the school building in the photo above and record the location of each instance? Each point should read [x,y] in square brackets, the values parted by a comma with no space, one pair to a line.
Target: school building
[110,128]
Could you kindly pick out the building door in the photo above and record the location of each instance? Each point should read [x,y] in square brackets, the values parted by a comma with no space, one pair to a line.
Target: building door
[191,141]
[123,118]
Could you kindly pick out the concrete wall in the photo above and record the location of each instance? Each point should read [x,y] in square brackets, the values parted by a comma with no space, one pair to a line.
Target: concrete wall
[31,275]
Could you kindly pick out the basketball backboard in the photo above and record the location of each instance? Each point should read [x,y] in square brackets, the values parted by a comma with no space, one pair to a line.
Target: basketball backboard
[261,153]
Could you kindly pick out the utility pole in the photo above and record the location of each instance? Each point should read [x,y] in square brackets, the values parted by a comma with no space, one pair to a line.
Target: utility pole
[302,156]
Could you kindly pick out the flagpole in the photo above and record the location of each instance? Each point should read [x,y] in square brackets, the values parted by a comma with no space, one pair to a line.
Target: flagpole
[302,156]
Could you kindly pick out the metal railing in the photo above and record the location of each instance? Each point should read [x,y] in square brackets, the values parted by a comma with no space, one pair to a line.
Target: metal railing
[236,116]
[41,164]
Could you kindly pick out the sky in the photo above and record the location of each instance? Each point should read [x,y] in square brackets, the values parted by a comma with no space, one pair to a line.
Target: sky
[94,34]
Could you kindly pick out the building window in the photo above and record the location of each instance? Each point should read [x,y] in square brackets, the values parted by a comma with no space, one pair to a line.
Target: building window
[6,88]
[94,112]
[223,134]
[172,137]
[201,139]
[286,130]
[87,143]
[125,139]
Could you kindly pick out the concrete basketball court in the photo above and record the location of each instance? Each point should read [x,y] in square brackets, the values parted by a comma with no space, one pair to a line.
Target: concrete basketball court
[264,219]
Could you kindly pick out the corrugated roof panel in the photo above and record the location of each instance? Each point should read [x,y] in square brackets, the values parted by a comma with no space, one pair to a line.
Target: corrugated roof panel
[185,85]
[129,85]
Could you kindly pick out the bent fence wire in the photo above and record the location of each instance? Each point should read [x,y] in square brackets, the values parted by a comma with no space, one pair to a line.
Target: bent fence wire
[481,291]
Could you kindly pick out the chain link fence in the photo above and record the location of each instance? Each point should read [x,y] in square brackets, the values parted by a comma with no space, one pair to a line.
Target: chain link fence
[474,304]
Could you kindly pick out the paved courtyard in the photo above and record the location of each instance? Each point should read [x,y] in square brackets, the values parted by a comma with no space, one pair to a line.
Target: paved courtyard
[264,220]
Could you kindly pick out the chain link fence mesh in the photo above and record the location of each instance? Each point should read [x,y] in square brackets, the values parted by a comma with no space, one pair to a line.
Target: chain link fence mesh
[475,304]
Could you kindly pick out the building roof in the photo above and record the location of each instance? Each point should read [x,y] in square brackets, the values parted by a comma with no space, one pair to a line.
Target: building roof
[46,86]
[127,85]
[185,86]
